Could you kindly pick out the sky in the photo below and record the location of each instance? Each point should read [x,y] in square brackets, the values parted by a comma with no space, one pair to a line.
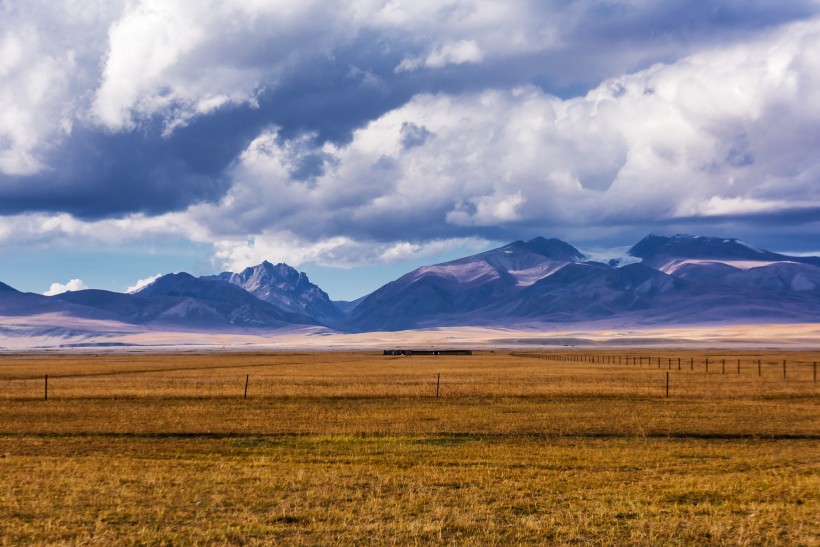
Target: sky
[358,140]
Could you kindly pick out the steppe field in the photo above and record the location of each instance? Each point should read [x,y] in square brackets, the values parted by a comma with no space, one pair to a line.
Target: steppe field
[567,445]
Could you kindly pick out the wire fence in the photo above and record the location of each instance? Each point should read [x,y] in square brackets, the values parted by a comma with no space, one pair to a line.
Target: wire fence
[514,374]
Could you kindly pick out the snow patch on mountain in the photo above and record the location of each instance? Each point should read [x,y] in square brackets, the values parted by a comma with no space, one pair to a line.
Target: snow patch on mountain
[674,265]
[142,283]
[615,257]
[527,277]
[469,272]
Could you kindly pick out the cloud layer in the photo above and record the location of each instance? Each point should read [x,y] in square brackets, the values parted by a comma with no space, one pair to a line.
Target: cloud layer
[358,133]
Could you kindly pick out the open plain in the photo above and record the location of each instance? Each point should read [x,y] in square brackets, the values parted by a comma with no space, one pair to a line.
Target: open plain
[562,445]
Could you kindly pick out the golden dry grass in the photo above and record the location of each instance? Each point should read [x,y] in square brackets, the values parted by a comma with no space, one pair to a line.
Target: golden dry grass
[355,448]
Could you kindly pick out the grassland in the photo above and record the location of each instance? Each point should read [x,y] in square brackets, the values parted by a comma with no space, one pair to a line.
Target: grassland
[355,448]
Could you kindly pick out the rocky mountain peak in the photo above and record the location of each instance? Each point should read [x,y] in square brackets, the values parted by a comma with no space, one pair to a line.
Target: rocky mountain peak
[286,288]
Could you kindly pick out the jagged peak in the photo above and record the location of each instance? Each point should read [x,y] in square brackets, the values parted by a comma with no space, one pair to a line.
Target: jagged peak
[280,270]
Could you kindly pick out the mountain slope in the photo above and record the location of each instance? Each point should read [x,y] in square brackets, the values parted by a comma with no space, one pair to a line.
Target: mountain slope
[213,302]
[679,279]
[437,294]
[670,253]
[285,288]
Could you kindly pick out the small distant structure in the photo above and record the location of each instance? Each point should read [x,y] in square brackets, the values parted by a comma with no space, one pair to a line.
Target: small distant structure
[428,352]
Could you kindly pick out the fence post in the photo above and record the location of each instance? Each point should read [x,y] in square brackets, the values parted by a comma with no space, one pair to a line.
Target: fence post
[667,384]
[45,397]
[723,367]
[784,369]
[691,363]
[738,366]
[678,363]
[707,365]
[758,368]
[247,378]
[438,381]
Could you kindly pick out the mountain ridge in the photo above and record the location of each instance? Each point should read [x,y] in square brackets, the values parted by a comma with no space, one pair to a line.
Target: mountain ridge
[668,280]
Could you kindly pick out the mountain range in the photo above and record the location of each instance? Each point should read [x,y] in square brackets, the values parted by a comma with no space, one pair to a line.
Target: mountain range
[661,281]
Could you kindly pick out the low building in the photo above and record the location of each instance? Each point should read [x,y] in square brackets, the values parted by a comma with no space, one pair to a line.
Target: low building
[428,352]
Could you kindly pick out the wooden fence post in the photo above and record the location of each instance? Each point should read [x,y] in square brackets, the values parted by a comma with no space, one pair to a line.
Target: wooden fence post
[45,397]
[247,379]
[784,369]
[438,381]
[707,365]
[738,366]
[758,368]
[667,384]
[723,367]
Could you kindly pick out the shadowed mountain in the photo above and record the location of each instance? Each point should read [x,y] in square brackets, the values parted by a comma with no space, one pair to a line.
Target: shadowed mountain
[591,291]
[181,301]
[668,253]
[4,287]
[23,304]
[681,279]
[432,294]
[176,301]
[788,276]
[728,263]
[285,288]
[213,302]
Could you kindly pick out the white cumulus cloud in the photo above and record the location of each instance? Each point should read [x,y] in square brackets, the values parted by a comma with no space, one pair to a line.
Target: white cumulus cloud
[716,133]
[186,58]
[726,131]
[451,53]
[142,283]
[60,288]
[49,54]
[237,254]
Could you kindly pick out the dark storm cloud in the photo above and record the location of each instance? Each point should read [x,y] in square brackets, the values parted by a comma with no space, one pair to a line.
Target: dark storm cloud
[97,173]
